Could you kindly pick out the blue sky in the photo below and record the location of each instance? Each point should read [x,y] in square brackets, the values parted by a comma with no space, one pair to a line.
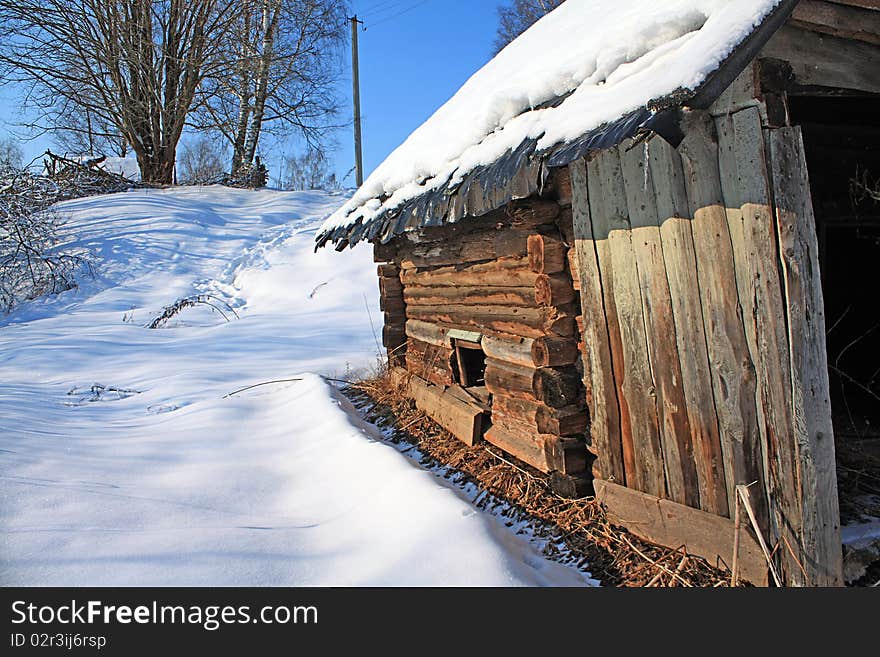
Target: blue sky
[414,55]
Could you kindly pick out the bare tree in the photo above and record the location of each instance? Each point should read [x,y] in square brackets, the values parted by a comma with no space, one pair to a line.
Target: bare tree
[134,64]
[308,171]
[282,64]
[85,133]
[11,155]
[201,162]
[517,17]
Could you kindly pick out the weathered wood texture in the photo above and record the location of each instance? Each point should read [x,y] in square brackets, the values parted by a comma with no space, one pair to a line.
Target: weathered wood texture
[392,304]
[838,20]
[746,189]
[617,263]
[606,425]
[662,349]
[815,481]
[681,270]
[509,282]
[430,362]
[671,524]
[733,372]
[703,299]
[826,61]
[462,418]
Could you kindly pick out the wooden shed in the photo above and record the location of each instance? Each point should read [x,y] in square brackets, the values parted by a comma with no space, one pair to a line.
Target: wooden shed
[641,309]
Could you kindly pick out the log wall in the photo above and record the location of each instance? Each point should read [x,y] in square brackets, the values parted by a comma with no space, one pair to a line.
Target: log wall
[506,276]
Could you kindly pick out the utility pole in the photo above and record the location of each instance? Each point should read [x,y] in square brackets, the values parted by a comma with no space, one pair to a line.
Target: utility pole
[356,93]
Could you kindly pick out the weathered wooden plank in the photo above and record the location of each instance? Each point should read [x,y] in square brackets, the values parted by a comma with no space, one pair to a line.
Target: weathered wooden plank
[385,252]
[672,525]
[565,421]
[393,336]
[562,186]
[543,452]
[390,286]
[462,419]
[605,429]
[867,4]
[837,20]
[429,356]
[659,323]
[573,269]
[388,270]
[684,292]
[810,398]
[745,185]
[528,448]
[611,224]
[826,61]
[733,373]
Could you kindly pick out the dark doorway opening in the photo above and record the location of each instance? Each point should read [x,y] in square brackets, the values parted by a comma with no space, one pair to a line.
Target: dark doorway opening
[471,361]
[842,143]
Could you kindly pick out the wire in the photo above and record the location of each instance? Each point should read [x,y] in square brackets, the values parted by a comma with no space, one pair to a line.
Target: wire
[398,14]
[380,6]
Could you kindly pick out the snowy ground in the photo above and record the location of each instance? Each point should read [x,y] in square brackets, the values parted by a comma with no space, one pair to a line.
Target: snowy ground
[169,479]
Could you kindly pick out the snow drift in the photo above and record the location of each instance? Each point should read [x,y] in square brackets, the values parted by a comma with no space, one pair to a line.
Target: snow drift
[131,456]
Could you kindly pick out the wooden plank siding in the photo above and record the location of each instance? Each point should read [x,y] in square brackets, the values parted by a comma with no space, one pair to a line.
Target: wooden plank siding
[681,270]
[733,372]
[704,337]
[747,194]
[617,262]
[663,357]
[605,414]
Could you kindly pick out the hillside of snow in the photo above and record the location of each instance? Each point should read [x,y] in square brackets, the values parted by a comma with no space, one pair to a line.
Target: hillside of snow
[138,456]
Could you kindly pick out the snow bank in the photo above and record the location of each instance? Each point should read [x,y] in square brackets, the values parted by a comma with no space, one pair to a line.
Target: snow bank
[611,56]
[169,472]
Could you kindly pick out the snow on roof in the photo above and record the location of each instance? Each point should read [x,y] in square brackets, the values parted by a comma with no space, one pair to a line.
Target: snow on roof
[603,58]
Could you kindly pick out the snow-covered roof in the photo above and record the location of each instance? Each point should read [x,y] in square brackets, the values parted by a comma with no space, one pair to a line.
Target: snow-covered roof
[587,65]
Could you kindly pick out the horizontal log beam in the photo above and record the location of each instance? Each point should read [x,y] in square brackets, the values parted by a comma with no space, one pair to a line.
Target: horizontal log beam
[504,272]
[547,254]
[461,418]
[420,295]
[555,387]
[545,453]
[526,322]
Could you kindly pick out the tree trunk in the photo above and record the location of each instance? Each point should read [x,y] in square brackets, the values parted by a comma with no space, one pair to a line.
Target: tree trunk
[271,10]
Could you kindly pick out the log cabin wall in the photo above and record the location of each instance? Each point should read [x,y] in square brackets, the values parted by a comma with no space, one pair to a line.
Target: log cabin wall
[503,279]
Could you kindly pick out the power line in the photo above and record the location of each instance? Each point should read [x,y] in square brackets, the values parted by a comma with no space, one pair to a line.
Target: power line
[380,7]
[398,14]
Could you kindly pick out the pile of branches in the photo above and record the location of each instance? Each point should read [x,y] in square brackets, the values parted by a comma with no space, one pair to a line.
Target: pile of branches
[75,179]
[31,262]
[248,176]
[611,554]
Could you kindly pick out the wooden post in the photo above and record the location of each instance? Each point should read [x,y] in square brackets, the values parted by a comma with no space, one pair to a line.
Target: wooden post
[816,478]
